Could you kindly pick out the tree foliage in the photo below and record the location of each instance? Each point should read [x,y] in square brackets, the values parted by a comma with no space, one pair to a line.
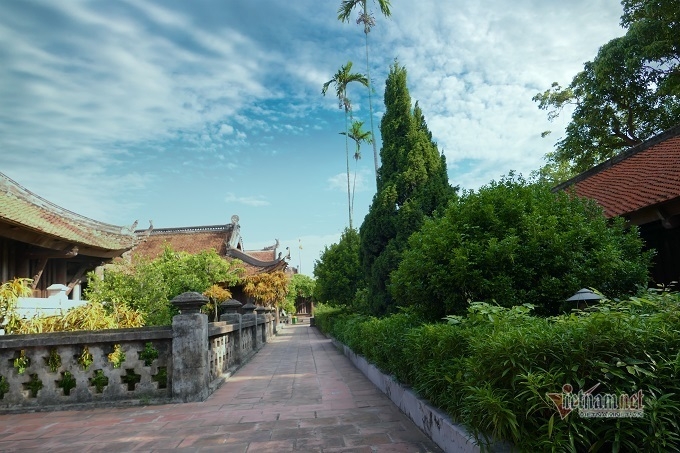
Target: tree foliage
[337,271]
[627,94]
[515,242]
[216,295]
[341,81]
[300,288]
[149,285]
[368,21]
[357,133]
[269,289]
[412,186]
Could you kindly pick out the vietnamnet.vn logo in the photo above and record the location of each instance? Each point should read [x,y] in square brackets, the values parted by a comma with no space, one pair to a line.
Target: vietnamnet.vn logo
[589,404]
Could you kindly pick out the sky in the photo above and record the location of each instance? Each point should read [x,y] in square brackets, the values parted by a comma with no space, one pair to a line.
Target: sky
[188,112]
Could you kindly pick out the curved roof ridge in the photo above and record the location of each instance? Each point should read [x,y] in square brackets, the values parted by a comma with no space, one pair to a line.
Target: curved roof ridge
[235,253]
[12,187]
[189,229]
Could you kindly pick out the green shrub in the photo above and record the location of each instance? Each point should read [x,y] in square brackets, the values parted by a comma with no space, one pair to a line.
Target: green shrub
[492,369]
[514,242]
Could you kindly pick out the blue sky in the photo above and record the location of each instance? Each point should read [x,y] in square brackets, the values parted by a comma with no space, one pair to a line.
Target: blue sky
[186,113]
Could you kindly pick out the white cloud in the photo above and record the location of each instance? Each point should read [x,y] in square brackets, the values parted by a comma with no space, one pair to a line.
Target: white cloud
[104,102]
[226,129]
[255,201]
[339,182]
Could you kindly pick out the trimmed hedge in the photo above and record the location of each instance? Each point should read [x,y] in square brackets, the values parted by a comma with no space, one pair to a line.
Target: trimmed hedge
[491,370]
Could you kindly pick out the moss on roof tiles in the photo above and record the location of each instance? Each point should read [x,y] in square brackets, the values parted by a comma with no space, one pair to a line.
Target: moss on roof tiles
[24,208]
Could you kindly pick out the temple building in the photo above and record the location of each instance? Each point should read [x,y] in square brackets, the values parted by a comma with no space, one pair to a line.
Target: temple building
[50,244]
[642,184]
[224,239]
[56,247]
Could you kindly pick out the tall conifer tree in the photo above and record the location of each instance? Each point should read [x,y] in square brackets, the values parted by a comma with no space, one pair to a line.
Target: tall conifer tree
[412,185]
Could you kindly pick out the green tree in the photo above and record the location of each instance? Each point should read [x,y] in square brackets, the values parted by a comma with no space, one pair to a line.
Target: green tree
[627,94]
[300,289]
[337,271]
[149,285]
[367,19]
[412,186]
[341,80]
[359,136]
[268,289]
[515,242]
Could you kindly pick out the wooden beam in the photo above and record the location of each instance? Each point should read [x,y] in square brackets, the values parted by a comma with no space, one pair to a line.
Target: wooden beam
[39,271]
[68,252]
[77,277]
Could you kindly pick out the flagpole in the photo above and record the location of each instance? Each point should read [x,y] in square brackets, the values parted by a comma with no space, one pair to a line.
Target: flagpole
[299,256]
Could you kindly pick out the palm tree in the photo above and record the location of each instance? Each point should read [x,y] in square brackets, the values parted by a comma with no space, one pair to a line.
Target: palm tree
[359,136]
[341,79]
[346,8]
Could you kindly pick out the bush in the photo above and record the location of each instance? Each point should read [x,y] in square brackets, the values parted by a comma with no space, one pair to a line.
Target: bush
[492,369]
[337,271]
[148,286]
[514,242]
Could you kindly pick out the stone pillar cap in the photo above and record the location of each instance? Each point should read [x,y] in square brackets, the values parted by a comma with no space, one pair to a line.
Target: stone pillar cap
[189,302]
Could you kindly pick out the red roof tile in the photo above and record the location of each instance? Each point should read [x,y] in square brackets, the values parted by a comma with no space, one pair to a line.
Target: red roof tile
[262,255]
[190,240]
[642,176]
[197,239]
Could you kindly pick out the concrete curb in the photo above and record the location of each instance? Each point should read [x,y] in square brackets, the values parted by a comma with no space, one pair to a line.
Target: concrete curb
[450,437]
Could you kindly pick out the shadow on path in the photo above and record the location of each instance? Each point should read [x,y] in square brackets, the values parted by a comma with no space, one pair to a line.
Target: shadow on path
[298,393]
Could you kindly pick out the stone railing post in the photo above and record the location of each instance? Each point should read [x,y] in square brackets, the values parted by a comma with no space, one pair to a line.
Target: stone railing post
[190,364]
[261,320]
[249,315]
[271,325]
[232,316]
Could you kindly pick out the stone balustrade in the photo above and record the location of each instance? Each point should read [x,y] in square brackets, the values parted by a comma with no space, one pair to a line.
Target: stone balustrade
[148,365]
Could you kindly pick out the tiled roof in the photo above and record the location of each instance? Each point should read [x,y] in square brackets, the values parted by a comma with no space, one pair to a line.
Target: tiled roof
[645,175]
[253,262]
[22,208]
[190,240]
[197,239]
[262,255]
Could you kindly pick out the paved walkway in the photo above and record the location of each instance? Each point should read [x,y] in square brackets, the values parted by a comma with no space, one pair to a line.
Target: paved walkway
[297,394]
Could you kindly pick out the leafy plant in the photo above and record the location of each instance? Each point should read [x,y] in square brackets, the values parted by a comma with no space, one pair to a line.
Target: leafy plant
[514,242]
[413,186]
[149,354]
[99,380]
[117,357]
[89,316]
[67,382]
[338,272]
[216,295]
[22,362]
[4,387]
[626,94]
[300,288]
[161,377]
[10,292]
[34,385]
[85,358]
[147,286]
[492,368]
[54,360]
[267,288]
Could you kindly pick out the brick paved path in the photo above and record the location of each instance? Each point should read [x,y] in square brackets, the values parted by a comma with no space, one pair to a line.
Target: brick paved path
[297,394]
